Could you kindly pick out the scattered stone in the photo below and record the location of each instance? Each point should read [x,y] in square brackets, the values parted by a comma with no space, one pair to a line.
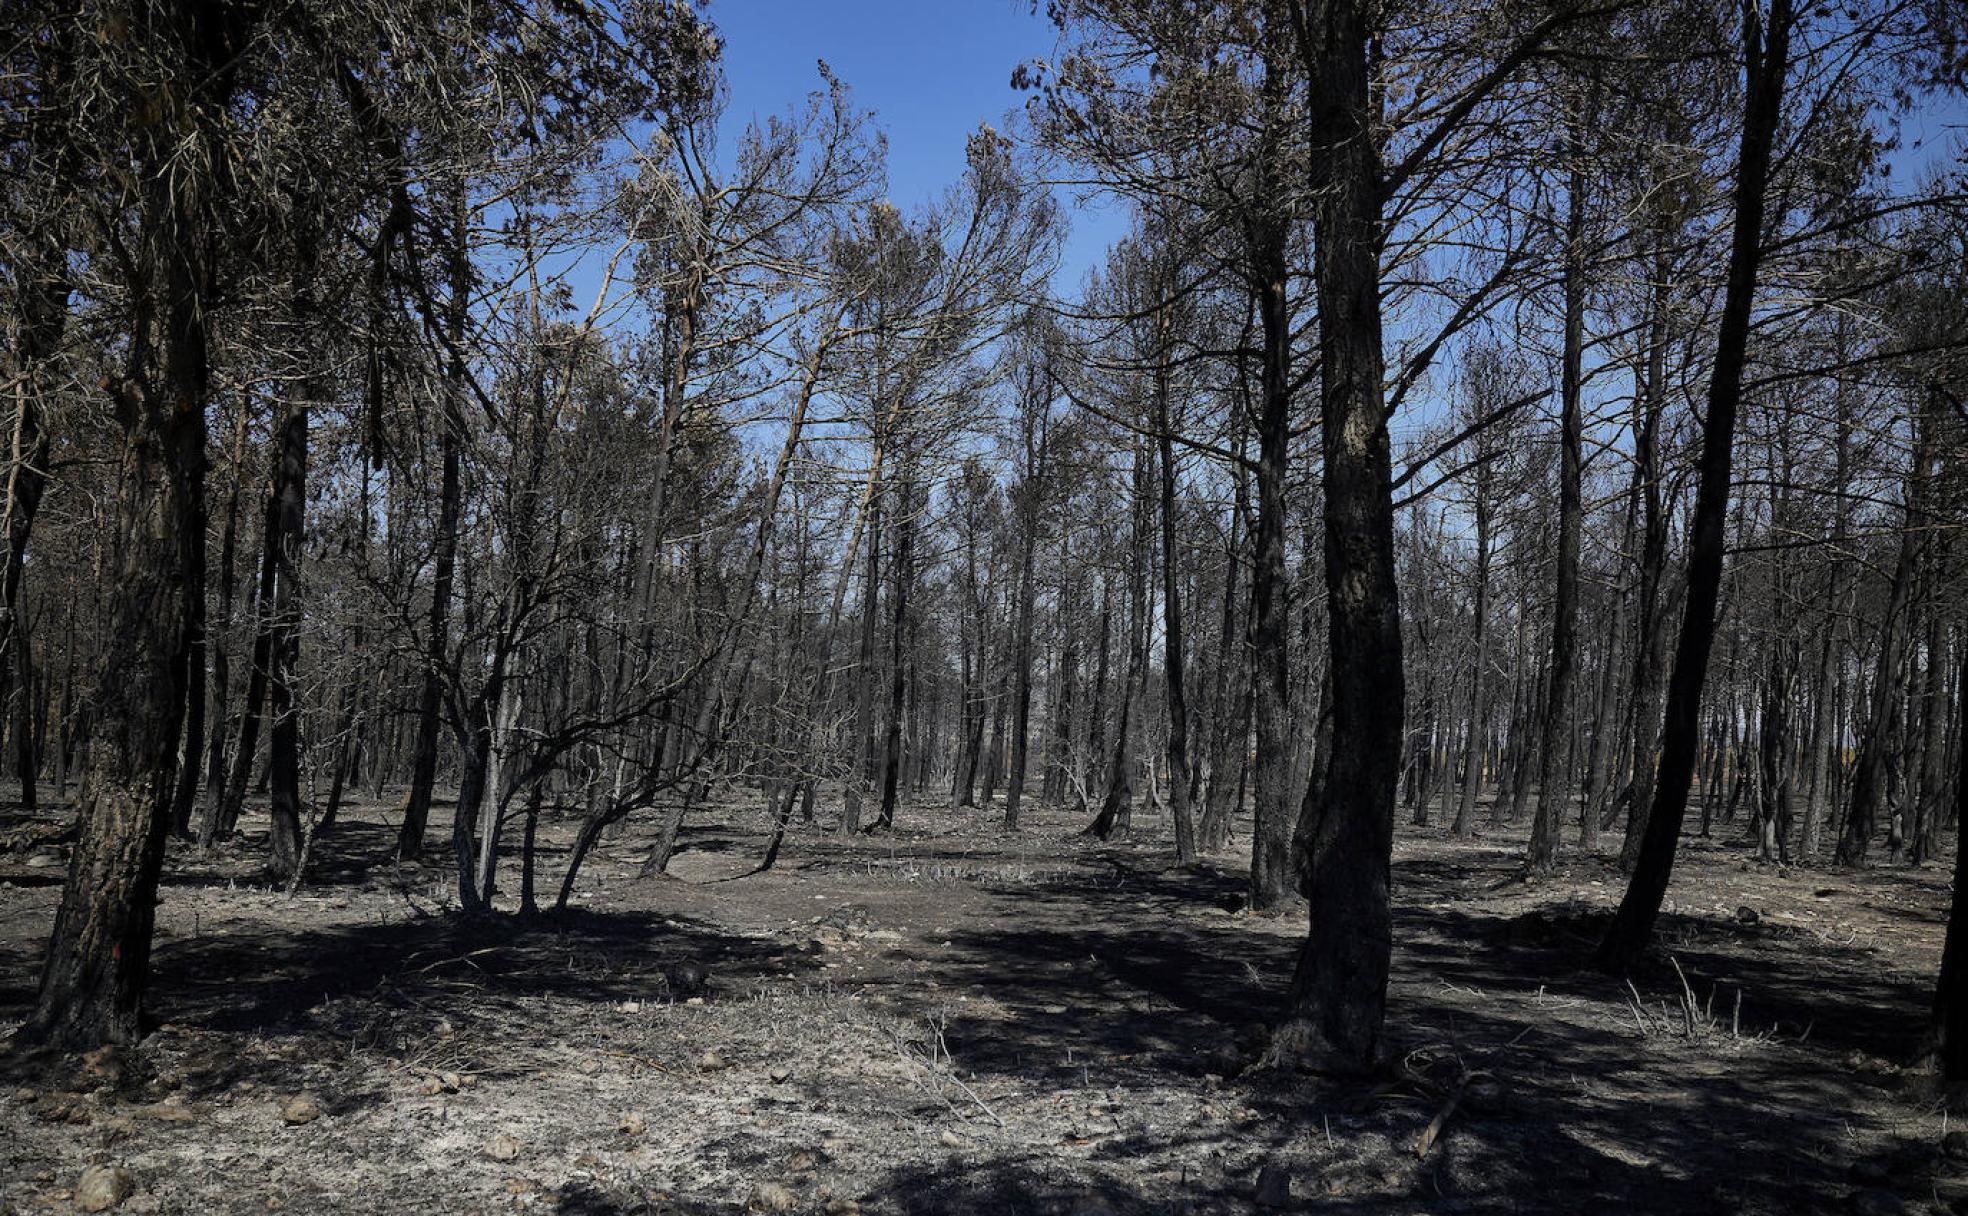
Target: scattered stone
[842,1206]
[23,1094]
[771,1197]
[802,1162]
[167,1112]
[710,1061]
[631,1125]
[1273,1187]
[502,1148]
[303,1108]
[57,1107]
[102,1187]
[1748,915]
[431,1087]
[781,1074]
[43,859]
[115,1129]
[949,1139]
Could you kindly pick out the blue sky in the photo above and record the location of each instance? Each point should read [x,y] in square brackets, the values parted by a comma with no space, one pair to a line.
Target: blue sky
[931,70]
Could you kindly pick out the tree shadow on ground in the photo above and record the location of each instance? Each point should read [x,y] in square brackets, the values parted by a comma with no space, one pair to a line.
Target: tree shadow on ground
[1564,1101]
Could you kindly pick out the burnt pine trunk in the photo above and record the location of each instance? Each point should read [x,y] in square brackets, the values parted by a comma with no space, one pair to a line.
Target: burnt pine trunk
[221,678]
[1116,806]
[1649,656]
[1272,873]
[98,958]
[1021,641]
[898,668]
[1870,772]
[1173,674]
[1766,55]
[1230,723]
[284,642]
[1476,750]
[1949,1026]
[1547,828]
[43,315]
[1338,996]
[444,558]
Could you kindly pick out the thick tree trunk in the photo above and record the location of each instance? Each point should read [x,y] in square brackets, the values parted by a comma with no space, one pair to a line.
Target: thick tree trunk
[1338,996]
[98,958]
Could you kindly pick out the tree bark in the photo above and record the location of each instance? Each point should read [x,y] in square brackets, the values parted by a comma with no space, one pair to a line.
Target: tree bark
[1766,59]
[1338,996]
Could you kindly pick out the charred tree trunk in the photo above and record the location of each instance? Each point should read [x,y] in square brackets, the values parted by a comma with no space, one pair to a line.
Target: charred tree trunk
[1766,55]
[1338,996]
[444,558]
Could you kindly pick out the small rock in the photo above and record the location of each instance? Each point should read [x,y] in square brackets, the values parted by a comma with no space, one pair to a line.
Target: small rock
[802,1162]
[710,1061]
[949,1139]
[502,1148]
[115,1129]
[842,1207]
[1273,1187]
[631,1125]
[431,1087]
[780,1074]
[771,1197]
[1748,915]
[303,1107]
[451,1082]
[102,1187]
[167,1112]
[41,861]
[104,1064]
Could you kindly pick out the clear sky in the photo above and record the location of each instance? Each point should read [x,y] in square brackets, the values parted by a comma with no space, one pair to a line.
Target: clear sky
[931,70]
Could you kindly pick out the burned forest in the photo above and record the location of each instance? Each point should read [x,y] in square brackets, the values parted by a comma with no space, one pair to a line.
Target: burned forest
[1110,606]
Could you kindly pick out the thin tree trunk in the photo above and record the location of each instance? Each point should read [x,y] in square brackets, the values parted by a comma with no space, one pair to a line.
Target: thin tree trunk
[1633,926]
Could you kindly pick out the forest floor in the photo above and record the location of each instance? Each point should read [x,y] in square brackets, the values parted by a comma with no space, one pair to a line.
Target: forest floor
[953,1019]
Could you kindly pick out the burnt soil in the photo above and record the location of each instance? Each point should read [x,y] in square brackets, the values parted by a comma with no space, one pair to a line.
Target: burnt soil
[952,1018]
